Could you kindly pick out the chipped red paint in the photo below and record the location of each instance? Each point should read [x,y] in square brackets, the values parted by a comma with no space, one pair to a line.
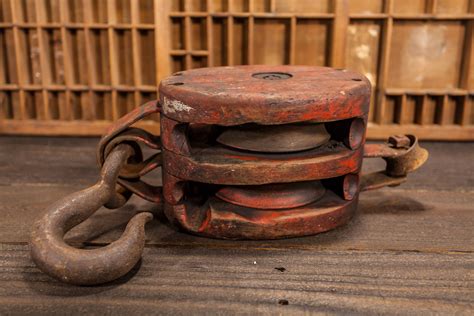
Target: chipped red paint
[224,220]
[202,189]
[243,158]
[261,170]
[232,96]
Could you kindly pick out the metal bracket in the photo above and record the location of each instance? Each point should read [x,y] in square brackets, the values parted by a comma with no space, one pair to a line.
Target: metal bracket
[402,154]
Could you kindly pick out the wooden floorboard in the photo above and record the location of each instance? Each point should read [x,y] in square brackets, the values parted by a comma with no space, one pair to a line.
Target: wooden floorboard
[71,161]
[200,280]
[391,219]
[408,250]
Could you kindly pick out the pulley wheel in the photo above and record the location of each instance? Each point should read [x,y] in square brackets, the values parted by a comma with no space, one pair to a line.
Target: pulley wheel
[273,196]
[275,138]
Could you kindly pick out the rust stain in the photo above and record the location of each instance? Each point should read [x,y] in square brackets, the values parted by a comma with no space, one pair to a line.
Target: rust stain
[247,190]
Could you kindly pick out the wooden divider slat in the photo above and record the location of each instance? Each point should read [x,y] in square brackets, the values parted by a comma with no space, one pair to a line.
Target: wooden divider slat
[3,58]
[162,43]
[187,34]
[442,115]
[91,66]
[67,62]
[113,51]
[136,50]
[19,113]
[467,55]
[58,128]
[420,114]
[402,112]
[272,6]
[251,34]
[210,33]
[427,132]
[230,41]
[292,40]
[431,6]
[338,40]
[162,39]
[251,40]
[41,18]
[384,60]
[4,105]
[270,15]
[467,111]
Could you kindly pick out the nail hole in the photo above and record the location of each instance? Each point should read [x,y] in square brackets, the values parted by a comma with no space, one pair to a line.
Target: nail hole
[176,84]
[283,302]
[356,79]
[281,269]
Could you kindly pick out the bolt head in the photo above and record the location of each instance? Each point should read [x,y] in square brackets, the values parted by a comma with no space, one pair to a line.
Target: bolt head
[399,141]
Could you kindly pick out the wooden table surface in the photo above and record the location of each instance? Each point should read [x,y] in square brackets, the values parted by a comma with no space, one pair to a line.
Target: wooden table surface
[409,250]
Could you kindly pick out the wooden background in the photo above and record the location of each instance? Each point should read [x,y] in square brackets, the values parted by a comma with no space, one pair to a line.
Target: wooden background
[70,67]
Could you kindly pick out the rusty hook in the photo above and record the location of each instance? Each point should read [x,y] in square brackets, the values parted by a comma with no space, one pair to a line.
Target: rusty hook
[402,154]
[89,266]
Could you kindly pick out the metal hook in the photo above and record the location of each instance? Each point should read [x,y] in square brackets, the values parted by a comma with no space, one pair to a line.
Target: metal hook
[89,266]
[402,153]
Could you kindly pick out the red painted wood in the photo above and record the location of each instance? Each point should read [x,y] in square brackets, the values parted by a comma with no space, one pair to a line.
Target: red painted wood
[224,166]
[197,105]
[232,96]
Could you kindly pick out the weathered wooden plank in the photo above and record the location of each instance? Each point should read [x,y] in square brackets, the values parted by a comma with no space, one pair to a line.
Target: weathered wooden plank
[199,281]
[431,212]
[448,168]
[71,161]
[47,160]
[409,250]
[388,219]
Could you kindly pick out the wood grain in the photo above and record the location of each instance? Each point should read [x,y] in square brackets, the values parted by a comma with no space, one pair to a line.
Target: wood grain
[200,281]
[406,212]
[55,160]
[387,220]
[409,250]
[57,56]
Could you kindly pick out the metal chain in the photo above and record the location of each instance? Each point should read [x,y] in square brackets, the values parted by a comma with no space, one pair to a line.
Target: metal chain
[136,167]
